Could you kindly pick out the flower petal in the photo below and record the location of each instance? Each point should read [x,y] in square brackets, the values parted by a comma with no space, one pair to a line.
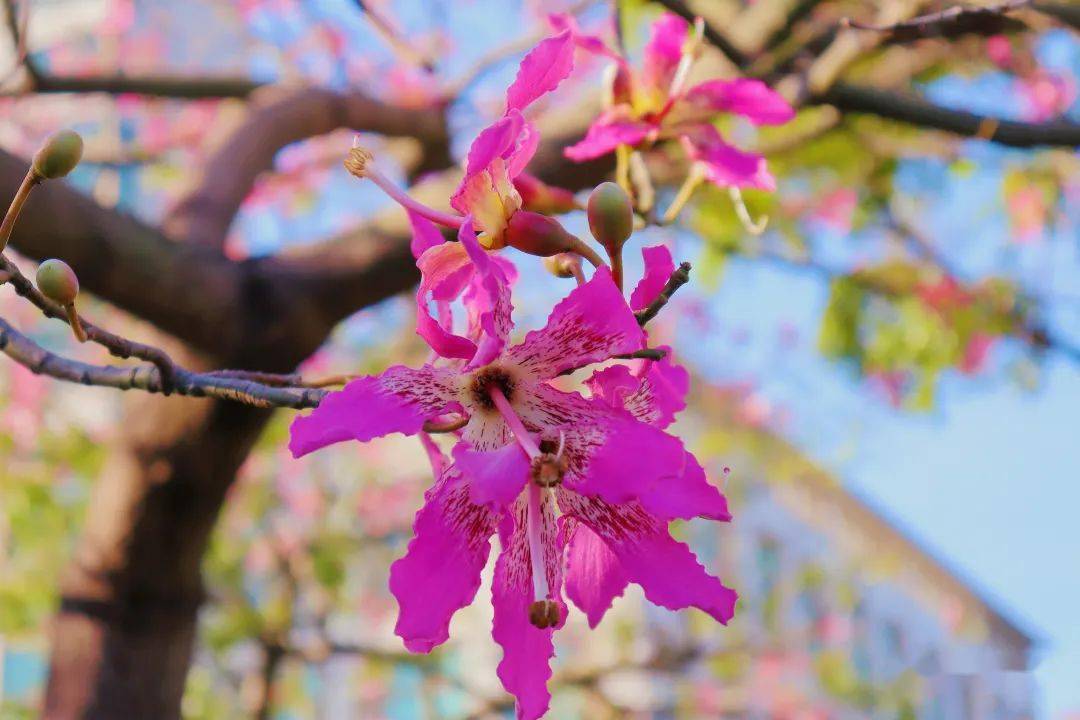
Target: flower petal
[664,51]
[440,571]
[495,477]
[658,268]
[541,70]
[589,43]
[425,235]
[665,568]
[607,133]
[445,270]
[591,324]
[725,166]
[399,400]
[653,394]
[752,99]
[487,299]
[607,452]
[594,577]
[527,650]
[689,496]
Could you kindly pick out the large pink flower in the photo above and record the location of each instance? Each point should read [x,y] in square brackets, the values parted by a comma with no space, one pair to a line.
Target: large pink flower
[652,105]
[528,449]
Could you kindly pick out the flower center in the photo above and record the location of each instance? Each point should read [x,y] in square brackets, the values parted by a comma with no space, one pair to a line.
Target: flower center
[487,379]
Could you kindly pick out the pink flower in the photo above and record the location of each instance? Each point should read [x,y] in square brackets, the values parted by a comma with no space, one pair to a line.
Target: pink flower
[651,105]
[526,449]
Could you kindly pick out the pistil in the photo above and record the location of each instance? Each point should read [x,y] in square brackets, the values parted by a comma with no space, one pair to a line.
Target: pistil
[360,163]
[542,612]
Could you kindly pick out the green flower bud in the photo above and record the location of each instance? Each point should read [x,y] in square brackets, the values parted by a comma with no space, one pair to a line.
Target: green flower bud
[59,155]
[57,281]
[611,216]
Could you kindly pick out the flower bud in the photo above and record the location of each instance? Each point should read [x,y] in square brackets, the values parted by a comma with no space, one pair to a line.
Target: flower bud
[58,282]
[538,196]
[563,265]
[611,216]
[538,234]
[59,155]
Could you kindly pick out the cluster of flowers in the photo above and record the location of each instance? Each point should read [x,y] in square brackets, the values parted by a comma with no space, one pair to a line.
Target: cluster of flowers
[579,488]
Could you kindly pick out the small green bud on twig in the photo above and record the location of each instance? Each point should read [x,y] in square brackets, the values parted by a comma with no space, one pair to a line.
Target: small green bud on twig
[58,282]
[611,216]
[59,155]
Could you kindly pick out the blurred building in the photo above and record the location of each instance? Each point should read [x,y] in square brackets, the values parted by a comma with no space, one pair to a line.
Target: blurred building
[842,614]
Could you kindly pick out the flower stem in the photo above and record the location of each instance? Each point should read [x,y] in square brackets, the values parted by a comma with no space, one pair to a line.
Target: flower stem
[617,268]
[578,246]
[17,202]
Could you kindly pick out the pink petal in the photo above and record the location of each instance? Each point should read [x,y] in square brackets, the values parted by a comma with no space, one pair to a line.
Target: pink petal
[440,571]
[607,452]
[494,141]
[589,43]
[690,496]
[436,457]
[752,99]
[658,268]
[527,650]
[592,324]
[606,134]
[487,298]
[527,142]
[495,477]
[594,577]
[664,51]
[626,459]
[425,234]
[725,165]
[445,270]
[399,400]
[666,569]
[541,71]
[654,394]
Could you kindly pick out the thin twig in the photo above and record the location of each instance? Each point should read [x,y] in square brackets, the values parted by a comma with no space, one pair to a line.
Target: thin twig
[950,23]
[38,360]
[395,39]
[678,278]
[117,346]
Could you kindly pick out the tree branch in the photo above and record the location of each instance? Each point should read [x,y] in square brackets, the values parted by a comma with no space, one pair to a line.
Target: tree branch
[148,378]
[916,111]
[278,118]
[678,278]
[168,86]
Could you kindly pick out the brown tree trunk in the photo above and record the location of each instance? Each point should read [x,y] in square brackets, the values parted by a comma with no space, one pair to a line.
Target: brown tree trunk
[123,638]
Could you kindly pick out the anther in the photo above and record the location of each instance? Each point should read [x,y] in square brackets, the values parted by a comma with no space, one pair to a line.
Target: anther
[548,470]
[544,614]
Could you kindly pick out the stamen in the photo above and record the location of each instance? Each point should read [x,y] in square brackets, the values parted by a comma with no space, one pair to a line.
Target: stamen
[687,59]
[361,164]
[533,516]
[754,227]
[536,546]
[693,180]
[517,428]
